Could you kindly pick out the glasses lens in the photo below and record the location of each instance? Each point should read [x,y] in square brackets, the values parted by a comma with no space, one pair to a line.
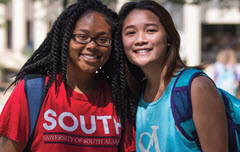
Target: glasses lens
[103,41]
[82,38]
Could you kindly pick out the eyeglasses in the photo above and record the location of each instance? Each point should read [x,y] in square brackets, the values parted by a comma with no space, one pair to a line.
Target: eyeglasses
[84,39]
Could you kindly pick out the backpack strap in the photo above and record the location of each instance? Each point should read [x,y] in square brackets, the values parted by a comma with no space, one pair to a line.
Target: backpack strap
[34,86]
[181,103]
[232,105]
[182,109]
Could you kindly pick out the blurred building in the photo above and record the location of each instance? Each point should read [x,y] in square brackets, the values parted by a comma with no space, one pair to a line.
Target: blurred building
[220,28]
[204,28]
[23,26]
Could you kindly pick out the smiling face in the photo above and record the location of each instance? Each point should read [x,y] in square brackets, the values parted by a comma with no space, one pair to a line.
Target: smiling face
[89,57]
[144,39]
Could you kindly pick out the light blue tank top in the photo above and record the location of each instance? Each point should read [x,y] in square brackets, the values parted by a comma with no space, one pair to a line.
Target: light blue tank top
[156,131]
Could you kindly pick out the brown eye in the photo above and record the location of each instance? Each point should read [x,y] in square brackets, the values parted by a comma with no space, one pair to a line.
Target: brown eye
[151,31]
[82,37]
[102,40]
[130,33]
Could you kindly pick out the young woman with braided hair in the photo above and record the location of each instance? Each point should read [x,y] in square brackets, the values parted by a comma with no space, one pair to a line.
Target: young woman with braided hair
[83,105]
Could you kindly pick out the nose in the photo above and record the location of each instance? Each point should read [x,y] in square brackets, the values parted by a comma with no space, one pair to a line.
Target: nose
[92,44]
[141,39]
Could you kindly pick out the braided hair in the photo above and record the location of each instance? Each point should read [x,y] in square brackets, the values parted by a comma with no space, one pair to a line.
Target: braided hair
[51,57]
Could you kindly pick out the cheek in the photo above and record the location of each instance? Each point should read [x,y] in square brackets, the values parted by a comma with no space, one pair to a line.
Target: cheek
[127,43]
[159,42]
[75,48]
[72,47]
[127,46]
[71,44]
[107,54]
[129,55]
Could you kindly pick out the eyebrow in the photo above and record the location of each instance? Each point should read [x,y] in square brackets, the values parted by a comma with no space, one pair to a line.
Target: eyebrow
[82,30]
[129,26]
[132,26]
[151,24]
[100,33]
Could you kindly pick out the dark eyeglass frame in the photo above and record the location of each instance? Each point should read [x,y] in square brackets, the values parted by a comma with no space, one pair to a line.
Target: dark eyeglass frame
[91,39]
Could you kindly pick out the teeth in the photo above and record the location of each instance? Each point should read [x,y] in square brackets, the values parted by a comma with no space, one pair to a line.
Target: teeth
[90,56]
[142,51]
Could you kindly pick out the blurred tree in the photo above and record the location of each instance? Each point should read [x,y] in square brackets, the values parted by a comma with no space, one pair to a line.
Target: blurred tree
[4,1]
[108,2]
[64,3]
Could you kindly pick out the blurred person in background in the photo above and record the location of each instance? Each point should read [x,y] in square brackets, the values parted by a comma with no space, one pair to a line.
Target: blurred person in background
[225,71]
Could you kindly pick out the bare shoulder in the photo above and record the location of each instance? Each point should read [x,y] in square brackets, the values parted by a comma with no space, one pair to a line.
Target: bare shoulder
[209,115]
[203,88]
[205,96]
[6,144]
[202,82]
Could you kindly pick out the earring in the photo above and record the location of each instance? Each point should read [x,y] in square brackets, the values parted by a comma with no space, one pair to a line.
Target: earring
[99,70]
[168,46]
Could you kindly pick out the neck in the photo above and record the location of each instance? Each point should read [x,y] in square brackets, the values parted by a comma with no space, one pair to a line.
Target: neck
[80,81]
[155,86]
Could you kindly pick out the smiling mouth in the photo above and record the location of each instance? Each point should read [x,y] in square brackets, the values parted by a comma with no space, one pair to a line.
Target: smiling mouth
[142,51]
[90,56]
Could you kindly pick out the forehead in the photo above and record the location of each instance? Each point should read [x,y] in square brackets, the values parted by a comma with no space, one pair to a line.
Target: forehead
[141,16]
[93,21]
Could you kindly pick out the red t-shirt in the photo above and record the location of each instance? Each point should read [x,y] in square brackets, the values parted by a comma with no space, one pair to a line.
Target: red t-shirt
[79,123]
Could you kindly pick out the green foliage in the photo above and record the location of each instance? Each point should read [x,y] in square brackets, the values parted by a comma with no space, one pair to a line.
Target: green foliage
[177,1]
[108,2]
[3,25]
[4,1]
[28,53]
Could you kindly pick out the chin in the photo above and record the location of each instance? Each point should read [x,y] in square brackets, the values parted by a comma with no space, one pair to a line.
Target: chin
[91,71]
[141,63]
[88,69]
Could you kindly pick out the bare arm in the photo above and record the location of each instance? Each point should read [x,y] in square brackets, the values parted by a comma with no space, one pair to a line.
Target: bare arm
[8,145]
[209,115]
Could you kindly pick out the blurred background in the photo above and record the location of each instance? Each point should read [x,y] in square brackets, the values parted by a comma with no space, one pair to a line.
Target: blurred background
[205,27]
